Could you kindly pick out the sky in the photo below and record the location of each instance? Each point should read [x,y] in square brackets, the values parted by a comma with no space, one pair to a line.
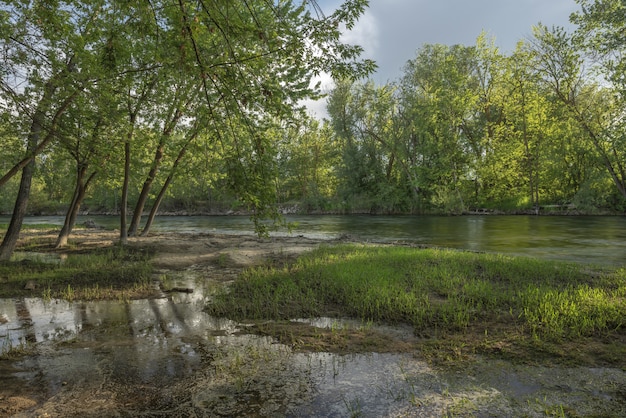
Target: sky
[391,31]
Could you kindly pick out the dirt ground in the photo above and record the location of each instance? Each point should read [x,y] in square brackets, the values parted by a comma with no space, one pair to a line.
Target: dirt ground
[181,250]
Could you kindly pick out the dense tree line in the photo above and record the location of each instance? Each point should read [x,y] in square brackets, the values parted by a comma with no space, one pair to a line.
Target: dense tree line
[470,128]
[139,107]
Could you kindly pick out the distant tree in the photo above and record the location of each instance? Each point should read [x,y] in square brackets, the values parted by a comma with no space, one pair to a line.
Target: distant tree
[307,161]
[361,116]
[438,97]
[598,109]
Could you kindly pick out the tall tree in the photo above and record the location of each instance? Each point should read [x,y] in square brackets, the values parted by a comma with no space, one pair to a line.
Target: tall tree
[256,60]
[438,96]
[597,109]
[48,51]
[253,61]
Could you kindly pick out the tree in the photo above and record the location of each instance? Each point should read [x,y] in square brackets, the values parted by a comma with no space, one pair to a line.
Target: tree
[307,161]
[240,64]
[86,134]
[438,97]
[256,61]
[598,110]
[361,114]
[48,53]
[524,108]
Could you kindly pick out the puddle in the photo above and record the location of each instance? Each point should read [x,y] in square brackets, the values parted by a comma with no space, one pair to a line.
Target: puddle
[166,357]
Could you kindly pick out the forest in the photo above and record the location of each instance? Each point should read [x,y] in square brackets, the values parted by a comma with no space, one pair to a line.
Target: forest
[195,107]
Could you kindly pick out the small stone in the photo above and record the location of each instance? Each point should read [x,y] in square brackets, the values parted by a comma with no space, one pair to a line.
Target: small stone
[30,285]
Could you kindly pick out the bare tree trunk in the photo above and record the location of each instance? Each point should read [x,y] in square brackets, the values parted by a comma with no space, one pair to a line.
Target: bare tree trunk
[161,195]
[155,206]
[132,113]
[154,169]
[21,202]
[72,212]
[145,191]
[19,212]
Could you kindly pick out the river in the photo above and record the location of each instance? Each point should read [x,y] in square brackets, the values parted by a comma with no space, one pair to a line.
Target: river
[589,239]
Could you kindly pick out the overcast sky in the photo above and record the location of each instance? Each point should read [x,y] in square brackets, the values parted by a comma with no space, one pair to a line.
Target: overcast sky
[391,31]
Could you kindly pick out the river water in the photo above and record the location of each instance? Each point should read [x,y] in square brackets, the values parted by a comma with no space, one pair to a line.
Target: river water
[589,239]
[166,357]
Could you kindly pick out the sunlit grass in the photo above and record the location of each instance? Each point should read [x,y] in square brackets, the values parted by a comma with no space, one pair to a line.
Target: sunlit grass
[435,289]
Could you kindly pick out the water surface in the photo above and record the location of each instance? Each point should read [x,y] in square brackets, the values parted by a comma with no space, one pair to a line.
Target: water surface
[592,239]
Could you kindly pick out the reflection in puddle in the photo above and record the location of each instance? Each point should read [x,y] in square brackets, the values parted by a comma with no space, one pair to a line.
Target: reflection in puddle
[167,357]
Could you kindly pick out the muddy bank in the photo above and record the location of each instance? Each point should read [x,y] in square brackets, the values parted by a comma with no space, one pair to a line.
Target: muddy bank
[170,364]
[164,356]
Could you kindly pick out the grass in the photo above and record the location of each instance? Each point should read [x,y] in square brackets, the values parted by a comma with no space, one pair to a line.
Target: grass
[10,351]
[484,303]
[104,273]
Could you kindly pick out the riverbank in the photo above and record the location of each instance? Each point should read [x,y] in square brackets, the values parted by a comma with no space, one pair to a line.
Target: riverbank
[459,303]
[298,209]
[150,356]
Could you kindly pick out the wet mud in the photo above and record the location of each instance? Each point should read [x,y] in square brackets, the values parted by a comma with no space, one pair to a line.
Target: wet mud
[165,357]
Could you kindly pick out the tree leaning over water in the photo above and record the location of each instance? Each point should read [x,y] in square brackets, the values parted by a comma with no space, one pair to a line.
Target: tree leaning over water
[245,65]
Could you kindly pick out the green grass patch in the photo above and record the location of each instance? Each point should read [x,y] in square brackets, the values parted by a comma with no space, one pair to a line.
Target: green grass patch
[115,272]
[439,292]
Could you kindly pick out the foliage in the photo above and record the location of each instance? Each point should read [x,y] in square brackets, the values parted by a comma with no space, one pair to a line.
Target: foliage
[468,128]
[121,91]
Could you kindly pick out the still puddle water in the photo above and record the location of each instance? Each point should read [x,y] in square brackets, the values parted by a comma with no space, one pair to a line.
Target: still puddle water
[166,357]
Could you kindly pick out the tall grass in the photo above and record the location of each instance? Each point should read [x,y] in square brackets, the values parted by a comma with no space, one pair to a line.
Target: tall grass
[433,288]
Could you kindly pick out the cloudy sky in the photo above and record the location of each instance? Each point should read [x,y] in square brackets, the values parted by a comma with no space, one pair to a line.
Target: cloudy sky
[391,31]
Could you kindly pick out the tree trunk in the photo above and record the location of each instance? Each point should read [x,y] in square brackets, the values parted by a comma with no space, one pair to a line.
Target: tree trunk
[19,212]
[159,199]
[72,212]
[155,206]
[145,191]
[38,147]
[124,203]
[154,169]
[21,202]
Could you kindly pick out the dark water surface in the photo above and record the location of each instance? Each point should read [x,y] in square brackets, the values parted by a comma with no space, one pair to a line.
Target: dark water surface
[593,239]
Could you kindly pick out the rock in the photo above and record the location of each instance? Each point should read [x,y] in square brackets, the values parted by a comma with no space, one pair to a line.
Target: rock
[180,290]
[30,285]
[90,224]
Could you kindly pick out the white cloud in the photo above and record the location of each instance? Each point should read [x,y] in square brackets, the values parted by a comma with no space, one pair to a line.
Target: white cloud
[365,34]
[317,108]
